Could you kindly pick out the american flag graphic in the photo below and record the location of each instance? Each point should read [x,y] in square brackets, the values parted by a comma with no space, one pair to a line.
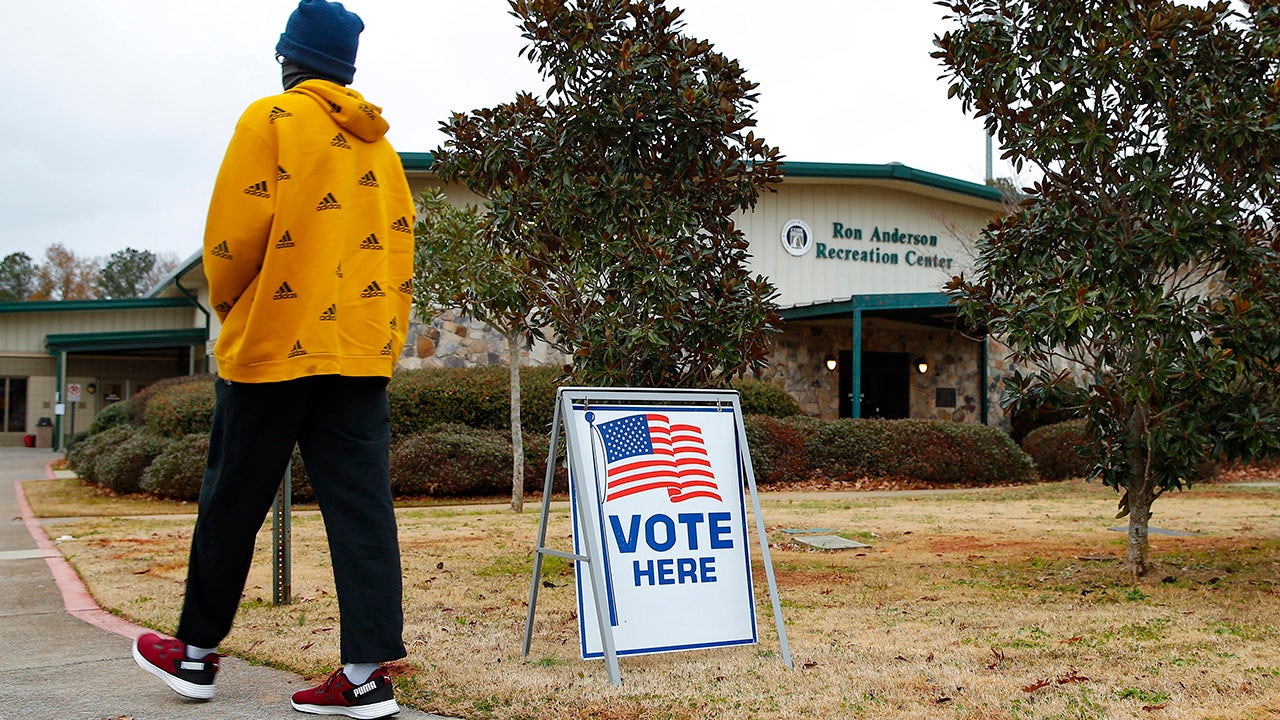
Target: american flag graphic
[647,452]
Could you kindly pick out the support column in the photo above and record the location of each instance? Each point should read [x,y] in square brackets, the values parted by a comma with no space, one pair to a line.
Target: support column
[855,367]
[58,387]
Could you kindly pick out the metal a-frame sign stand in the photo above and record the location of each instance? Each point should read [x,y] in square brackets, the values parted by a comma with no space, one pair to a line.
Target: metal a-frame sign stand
[566,400]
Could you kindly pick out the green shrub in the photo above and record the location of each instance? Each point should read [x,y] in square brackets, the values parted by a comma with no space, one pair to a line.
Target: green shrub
[119,467]
[930,451]
[117,413]
[452,461]
[180,409]
[535,465]
[136,405]
[299,482]
[1052,405]
[1057,450]
[176,473]
[762,398]
[476,397]
[85,455]
[777,450]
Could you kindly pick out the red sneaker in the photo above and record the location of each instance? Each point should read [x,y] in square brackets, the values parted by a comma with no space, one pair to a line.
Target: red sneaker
[166,658]
[374,698]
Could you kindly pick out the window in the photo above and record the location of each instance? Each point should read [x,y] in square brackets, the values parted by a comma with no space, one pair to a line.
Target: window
[945,397]
[13,401]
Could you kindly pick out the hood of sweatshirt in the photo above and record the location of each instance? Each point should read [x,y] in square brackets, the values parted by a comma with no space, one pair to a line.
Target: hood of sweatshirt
[347,107]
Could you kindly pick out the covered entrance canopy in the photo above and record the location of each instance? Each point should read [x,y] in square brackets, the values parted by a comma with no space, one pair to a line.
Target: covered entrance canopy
[877,378]
[108,349]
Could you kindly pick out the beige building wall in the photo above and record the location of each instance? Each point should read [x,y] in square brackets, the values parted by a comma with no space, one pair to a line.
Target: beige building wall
[854,253]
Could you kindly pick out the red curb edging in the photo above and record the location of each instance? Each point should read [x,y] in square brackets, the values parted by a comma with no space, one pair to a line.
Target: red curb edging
[75,596]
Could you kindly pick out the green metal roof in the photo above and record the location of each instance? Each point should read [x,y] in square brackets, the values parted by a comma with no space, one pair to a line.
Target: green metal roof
[845,308]
[131,340]
[422,162]
[91,305]
[187,266]
[891,171]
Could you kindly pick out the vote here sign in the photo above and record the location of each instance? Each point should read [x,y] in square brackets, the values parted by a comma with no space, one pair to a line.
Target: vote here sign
[668,512]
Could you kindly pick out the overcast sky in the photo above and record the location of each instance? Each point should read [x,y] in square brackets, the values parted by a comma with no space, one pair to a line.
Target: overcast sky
[116,114]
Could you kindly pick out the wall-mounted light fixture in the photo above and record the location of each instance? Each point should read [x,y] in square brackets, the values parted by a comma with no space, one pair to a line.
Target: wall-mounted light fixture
[831,362]
[922,365]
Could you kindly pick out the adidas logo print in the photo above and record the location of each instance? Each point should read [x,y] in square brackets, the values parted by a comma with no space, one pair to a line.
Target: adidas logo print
[285,241]
[386,349]
[282,174]
[371,243]
[328,202]
[406,287]
[258,189]
[330,314]
[297,349]
[220,251]
[368,111]
[368,180]
[394,324]
[284,293]
[277,113]
[338,272]
[373,291]
[223,307]
[340,141]
[402,225]
[334,107]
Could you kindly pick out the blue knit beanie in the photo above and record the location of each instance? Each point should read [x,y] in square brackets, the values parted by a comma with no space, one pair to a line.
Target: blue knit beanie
[323,37]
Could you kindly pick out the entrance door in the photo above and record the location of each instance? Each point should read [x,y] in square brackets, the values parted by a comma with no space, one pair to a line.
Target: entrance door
[886,385]
[846,383]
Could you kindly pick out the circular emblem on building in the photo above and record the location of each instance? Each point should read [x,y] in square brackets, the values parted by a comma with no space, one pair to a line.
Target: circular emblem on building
[797,237]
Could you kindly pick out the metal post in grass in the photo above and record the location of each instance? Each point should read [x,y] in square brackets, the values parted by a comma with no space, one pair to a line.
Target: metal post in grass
[281,515]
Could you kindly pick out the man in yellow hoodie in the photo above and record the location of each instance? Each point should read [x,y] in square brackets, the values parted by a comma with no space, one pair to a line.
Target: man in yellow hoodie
[308,251]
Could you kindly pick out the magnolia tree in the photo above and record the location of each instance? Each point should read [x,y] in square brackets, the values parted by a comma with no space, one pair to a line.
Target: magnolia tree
[457,269]
[1147,255]
[615,194]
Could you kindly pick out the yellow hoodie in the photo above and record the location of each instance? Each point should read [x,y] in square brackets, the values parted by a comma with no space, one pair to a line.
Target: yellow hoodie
[308,247]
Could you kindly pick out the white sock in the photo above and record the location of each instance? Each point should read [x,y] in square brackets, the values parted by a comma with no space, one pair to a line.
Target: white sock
[198,653]
[358,673]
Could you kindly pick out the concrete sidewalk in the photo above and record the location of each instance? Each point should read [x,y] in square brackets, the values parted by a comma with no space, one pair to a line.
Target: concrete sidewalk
[66,659]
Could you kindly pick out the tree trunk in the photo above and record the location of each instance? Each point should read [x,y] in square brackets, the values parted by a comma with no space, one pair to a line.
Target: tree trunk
[1141,495]
[517,436]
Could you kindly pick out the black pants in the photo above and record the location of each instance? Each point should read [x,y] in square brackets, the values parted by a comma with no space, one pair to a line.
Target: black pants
[342,427]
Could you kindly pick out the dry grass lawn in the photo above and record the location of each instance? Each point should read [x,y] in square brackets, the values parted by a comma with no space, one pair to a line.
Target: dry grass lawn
[996,603]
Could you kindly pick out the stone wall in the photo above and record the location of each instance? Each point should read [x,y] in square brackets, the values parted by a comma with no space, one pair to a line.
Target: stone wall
[797,365]
[454,340]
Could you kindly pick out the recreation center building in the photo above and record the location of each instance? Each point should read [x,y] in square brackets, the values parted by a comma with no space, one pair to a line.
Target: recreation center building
[859,254]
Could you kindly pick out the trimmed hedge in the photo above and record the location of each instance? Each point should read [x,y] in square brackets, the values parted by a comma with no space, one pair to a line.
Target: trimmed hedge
[178,471]
[1057,450]
[475,397]
[480,398]
[452,461]
[136,405]
[117,413]
[181,409]
[930,451]
[86,454]
[777,449]
[761,398]
[119,467]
